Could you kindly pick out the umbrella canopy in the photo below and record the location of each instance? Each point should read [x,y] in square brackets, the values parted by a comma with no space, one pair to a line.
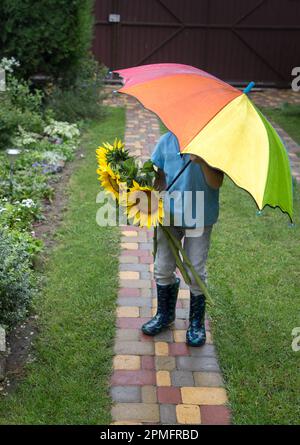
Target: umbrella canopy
[219,123]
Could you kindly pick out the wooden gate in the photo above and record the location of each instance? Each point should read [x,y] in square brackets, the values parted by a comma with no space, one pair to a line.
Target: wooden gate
[236,40]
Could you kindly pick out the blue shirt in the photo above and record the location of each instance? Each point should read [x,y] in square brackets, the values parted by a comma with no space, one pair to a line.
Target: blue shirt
[166,156]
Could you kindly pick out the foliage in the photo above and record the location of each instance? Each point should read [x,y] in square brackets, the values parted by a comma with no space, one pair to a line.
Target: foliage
[16,280]
[49,36]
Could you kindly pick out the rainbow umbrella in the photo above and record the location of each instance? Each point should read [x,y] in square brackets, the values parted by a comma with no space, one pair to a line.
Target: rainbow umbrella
[219,123]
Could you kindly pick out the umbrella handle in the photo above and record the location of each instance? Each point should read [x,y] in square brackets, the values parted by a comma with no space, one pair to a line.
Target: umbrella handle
[249,87]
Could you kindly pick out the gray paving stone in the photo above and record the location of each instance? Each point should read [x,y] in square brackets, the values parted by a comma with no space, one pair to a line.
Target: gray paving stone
[182,313]
[125,394]
[145,312]
[204,351]
[166,336]
[182,378]
[167,414]
[146,275]
[134,301]
[197,364]
[127,335]
[134,267]
[165,363]
[134,348]
[208,379]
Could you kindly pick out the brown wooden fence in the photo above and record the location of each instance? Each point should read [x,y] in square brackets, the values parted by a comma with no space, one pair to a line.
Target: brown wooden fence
[236,40]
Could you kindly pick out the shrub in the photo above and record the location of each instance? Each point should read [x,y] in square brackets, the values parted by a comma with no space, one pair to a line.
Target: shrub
[80,100]
[48,36]
[16,280]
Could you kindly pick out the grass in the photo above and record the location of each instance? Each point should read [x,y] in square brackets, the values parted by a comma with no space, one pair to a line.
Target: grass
[287,117]
[255,282]
[254,279]
[68,381]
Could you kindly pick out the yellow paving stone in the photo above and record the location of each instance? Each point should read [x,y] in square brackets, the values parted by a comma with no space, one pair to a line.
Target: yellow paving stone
[129,275]
[153,310]
[129,362]
[188,414]
[184,293]
[203,396]
[154,302]
[129,246]
[161,348]
[179,335]
[128,311]
[209,339]
[129,233]
[163,378]
[126,422]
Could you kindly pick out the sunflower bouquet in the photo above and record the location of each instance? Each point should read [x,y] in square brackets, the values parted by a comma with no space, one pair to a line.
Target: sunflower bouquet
[131,184]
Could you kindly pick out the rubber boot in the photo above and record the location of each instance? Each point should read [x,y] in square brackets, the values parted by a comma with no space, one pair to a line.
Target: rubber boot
[196,334]
[166,309]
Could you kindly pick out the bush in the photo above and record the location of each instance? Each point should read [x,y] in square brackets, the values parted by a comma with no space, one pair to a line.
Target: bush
[48,36]
[16,280]
[81,100]
[11,117]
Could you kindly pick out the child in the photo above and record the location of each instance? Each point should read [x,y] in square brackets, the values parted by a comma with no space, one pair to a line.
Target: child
[198,176]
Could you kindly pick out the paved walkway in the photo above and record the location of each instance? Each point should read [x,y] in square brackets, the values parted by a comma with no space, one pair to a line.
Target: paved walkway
[157,380]
[161,380]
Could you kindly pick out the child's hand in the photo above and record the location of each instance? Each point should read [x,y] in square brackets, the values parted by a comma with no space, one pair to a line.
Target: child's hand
[160,181]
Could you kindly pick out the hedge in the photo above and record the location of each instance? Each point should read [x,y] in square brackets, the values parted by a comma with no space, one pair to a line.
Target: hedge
[46,36]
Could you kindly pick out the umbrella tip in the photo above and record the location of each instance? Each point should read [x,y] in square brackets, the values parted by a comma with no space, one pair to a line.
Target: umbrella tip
[249,87]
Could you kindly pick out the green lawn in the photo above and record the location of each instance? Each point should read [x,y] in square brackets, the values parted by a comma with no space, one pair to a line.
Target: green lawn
[254,278]
[68,382]
[288,119]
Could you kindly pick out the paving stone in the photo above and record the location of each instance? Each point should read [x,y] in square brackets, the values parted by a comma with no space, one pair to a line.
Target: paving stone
[167,414]
[182,313]
[188,414]
[146,260]
[165,336]
[182,378]
[149,394]
[161,348]
[207,379]
[128,259]
[147,362]
[146,293]
[129,233]
[126,394]
[138,284]
[134,348]
[141,377]
[135,267]
[215,415]
[163,378]
[203,396]
[126,292]
[130,362]
[165,363]
[179,335]
[127,335]
[130,322]
[179,349]
[143,412]
[145,312]
[134,301]
[128,311]
[204,351]
[168,395]
[129,246]
[129,275]
[184,294]
[145,275]
[195,364]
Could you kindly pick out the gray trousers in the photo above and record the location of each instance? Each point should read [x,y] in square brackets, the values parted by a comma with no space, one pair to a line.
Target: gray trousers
[196,248]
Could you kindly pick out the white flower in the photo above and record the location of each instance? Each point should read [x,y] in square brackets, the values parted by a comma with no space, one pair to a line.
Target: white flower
[28,203]
[3,209]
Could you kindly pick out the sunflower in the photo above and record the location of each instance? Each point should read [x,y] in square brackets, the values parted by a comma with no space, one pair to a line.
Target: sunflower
[144,206]
[109,180]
